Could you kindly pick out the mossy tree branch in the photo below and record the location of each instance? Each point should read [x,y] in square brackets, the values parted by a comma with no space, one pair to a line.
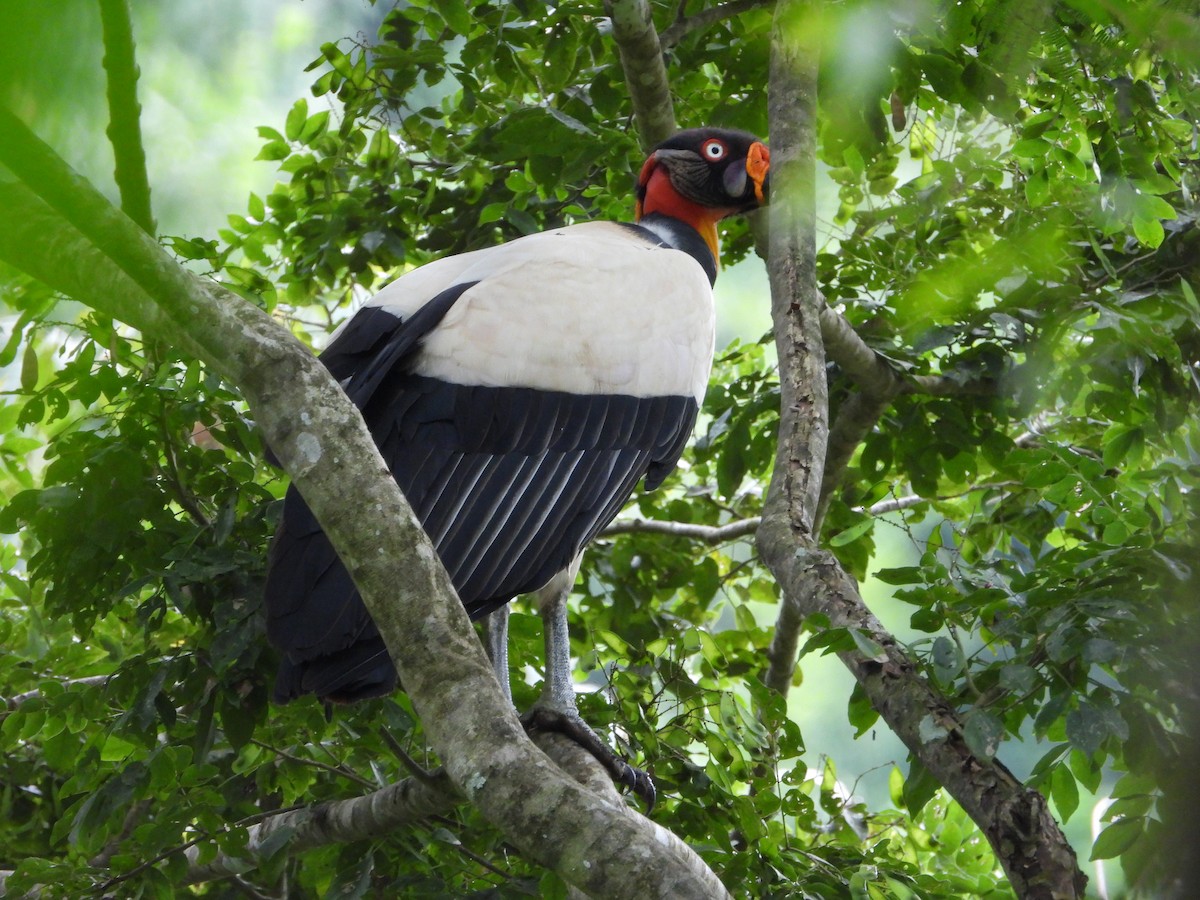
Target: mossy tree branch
[323,443]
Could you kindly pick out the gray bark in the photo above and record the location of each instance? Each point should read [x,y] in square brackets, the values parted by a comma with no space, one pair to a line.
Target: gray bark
[644,68]
[1028,842]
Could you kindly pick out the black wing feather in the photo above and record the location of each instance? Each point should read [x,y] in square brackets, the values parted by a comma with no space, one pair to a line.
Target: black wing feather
[510,482]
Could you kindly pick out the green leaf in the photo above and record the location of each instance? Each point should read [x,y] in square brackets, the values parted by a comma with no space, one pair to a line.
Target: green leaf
[860,713]
[1118,837]
[919,787]
[944,75]
[947,660]
[1030,148]
[29,368]
[868,646]
[853,533]
[1064,791]
[900,575]
[1119,439]
[1037,187]
[274,150]
[983,733]
[927,620]
[1151,207]
[256,207]
[1087,728]
[1148,231]
[314,127]
[1018,677]
[296,118]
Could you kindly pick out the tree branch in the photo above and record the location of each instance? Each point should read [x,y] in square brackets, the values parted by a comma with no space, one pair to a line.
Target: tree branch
[398,805]
[41,242]
[1017,822]
[873,373]
[684,26]
[16,700]
[855,420]
[406,803]
[645,71]
[795,302]
[709,534]
[124,127]
[322,441]
[869,370]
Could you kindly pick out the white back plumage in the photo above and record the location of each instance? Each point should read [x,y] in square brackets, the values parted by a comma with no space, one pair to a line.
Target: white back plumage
[587,309]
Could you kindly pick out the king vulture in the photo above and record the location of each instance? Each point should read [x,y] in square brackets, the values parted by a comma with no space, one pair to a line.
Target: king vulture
[518,394]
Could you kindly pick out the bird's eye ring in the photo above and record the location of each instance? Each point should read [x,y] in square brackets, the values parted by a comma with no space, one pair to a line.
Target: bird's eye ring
[713,150]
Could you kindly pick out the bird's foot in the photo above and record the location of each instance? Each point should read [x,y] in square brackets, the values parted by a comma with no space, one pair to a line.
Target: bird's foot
[547,720]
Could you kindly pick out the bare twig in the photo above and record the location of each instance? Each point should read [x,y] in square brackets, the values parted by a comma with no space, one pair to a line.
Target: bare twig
[340,771]
[709,534]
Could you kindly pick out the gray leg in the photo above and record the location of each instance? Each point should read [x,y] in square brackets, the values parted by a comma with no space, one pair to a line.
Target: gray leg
[558,690]
[555,709]
[495,630]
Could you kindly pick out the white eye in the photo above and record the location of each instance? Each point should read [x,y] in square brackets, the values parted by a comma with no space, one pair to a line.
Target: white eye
[713,150]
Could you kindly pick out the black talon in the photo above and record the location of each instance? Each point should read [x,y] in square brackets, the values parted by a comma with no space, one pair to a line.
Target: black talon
[621,772]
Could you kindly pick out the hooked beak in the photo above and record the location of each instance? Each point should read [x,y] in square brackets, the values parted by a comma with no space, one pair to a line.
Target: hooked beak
[758,167]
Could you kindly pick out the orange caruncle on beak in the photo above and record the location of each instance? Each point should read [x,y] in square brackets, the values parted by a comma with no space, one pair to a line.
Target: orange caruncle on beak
[758,163]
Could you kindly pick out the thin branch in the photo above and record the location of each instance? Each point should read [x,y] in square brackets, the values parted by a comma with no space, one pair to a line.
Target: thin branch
[340,771]
[39,240]
[396,806]
[719,534]
[869,370]
[124,126]
[645,72]
[190,844]
[133,818]
[709,534]
[879,382]
[174,478]
[414,767]
[683,26]
[16,700]
[874,374]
